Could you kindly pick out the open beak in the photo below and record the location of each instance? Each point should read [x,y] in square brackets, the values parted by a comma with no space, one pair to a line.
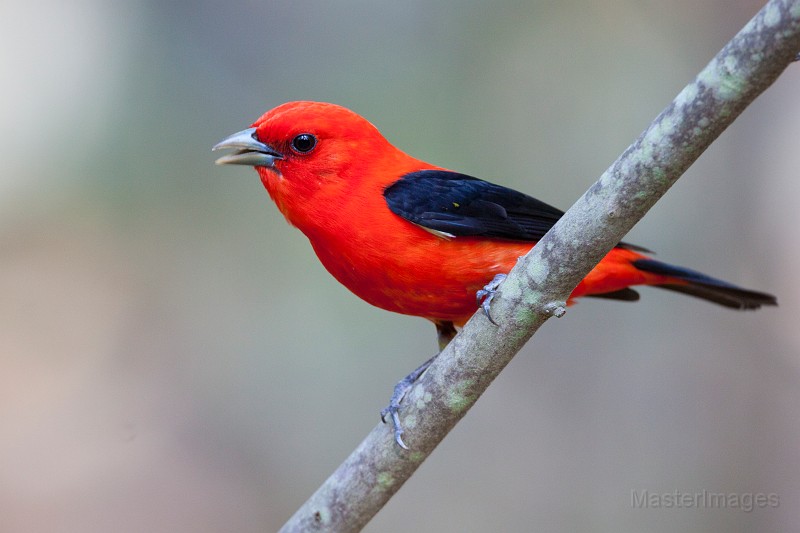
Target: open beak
[247,150]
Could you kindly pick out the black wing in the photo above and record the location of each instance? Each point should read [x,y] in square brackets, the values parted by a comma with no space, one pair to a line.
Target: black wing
[461,205]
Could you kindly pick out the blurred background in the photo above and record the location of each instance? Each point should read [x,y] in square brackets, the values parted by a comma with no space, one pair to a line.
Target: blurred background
[174,358]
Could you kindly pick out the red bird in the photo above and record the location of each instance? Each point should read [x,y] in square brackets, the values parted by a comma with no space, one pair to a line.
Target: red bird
[418,239]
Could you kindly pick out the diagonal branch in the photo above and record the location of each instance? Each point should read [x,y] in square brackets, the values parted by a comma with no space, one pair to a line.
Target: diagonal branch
[540,284]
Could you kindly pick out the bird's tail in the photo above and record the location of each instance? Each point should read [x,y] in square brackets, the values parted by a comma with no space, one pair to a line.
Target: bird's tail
[702,286]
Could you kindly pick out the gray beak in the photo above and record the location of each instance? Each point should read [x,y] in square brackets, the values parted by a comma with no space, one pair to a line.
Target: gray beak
[247,150]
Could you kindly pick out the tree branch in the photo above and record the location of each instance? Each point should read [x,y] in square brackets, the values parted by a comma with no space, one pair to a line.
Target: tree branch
[538,287]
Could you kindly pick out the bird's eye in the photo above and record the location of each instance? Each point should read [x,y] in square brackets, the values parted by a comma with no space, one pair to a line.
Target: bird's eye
[304,143]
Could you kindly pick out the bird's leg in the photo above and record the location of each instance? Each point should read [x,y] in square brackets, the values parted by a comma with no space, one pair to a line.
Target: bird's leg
[445,333]
[485,295]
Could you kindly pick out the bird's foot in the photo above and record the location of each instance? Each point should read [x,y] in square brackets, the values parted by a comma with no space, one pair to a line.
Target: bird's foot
[392,410]
[485,295]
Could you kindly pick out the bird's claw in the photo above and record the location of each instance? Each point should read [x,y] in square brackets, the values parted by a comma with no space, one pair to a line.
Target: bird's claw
[392,411]
[486,294]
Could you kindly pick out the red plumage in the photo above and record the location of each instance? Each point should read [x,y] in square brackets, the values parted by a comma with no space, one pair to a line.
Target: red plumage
[335,194]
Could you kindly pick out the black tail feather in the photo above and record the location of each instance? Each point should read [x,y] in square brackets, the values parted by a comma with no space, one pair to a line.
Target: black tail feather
[706,287]
[625,295]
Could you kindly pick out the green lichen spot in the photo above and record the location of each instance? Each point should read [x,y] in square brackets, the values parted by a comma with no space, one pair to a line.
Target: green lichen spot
[687,95]
[641,196]
[709,76]
[385,480]
[523,316]
[659,173]
[422,400]
[457,398]
[410,421]
[417,457]
[664,127]
[729,86]
[647,149]
[538,271]
[731,63]
[772,15]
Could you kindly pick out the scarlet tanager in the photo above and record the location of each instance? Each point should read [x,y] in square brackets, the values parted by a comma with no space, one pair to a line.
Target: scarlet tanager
[418,239]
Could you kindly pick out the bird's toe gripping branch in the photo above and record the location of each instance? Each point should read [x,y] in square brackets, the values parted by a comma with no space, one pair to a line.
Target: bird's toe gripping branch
[486,294]
[393,409]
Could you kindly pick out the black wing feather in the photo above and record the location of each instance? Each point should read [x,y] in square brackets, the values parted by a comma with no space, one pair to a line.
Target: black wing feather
[462,205]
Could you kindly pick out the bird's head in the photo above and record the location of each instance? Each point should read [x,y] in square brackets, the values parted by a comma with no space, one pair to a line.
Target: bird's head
[303,148]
